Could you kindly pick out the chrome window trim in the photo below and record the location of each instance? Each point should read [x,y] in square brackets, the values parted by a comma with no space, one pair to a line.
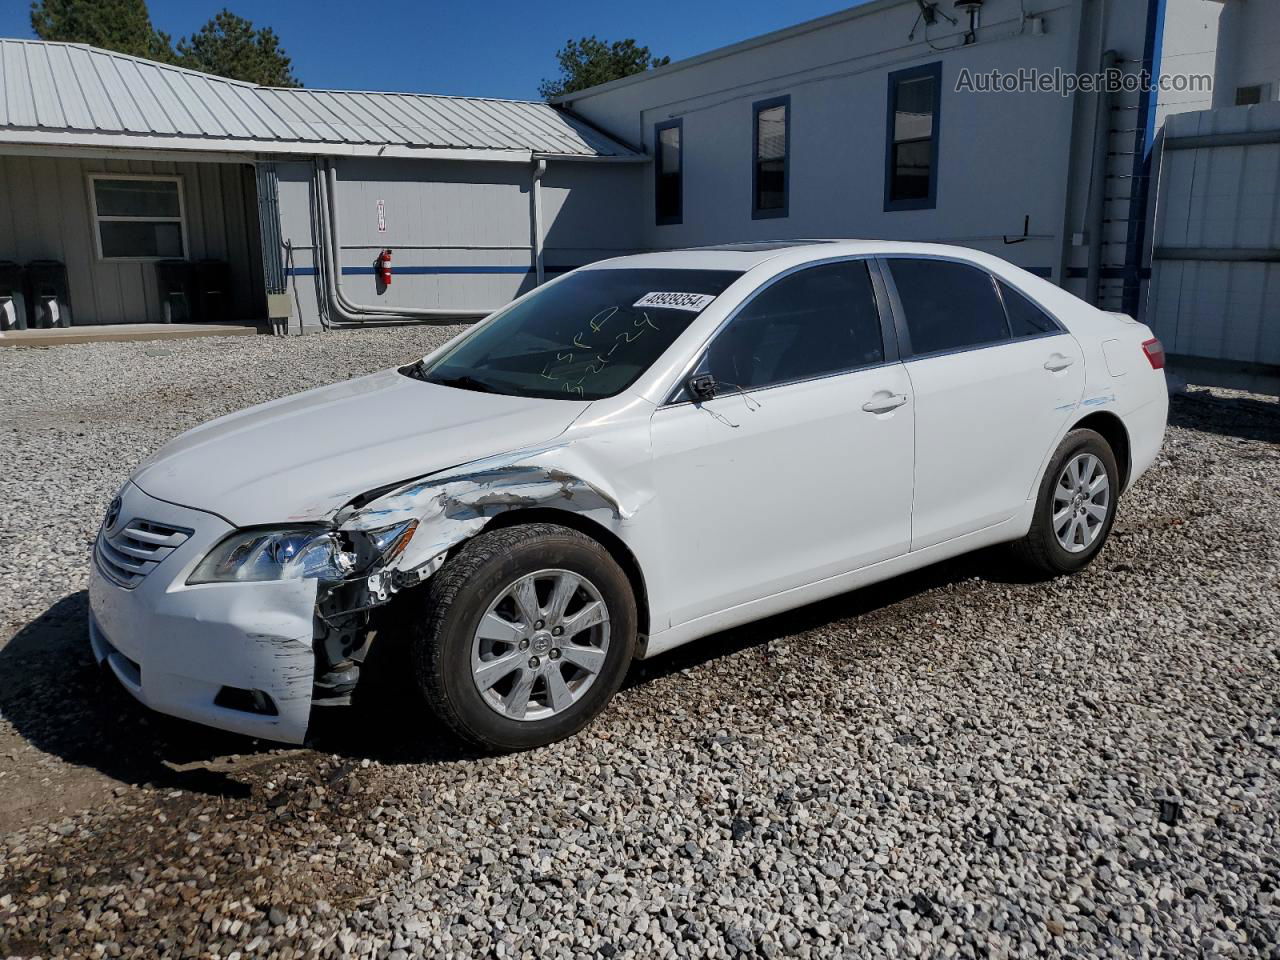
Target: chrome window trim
[672,404]
[889,345]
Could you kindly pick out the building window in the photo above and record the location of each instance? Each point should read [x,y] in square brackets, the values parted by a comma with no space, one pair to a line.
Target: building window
[1248,96]
[771,153]
[911,161]
[138,218]
[668,167]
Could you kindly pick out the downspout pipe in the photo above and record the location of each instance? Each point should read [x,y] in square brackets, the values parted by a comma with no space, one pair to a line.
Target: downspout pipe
[1098,178]
[539,168]
[1074,167]
[346,310]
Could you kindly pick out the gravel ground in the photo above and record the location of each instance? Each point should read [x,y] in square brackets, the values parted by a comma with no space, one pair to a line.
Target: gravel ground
[957,763]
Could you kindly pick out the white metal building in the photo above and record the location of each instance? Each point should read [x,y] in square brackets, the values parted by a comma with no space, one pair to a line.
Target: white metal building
[870,129]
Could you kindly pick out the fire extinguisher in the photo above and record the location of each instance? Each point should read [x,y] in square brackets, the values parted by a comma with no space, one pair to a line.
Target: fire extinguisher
[384,267]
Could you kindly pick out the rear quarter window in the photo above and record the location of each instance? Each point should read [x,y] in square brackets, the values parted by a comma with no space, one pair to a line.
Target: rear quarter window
[1025,318]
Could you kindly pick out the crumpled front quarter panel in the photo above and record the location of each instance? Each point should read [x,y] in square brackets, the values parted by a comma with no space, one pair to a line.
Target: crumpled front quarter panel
[600,468]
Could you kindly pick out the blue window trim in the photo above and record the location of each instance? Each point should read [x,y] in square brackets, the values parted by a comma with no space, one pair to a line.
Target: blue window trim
[934,71]
[678,124]
[756,212]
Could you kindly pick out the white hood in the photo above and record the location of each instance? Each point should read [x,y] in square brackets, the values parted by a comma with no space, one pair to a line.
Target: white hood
[301,458]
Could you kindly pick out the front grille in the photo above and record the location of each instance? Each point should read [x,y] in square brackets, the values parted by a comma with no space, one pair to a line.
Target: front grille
[134,550]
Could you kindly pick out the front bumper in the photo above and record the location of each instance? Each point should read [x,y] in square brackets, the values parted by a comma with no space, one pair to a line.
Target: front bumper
[176,647]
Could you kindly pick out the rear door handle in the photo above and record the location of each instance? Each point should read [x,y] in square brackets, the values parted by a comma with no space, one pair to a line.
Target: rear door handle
[885,402]
[1058,362]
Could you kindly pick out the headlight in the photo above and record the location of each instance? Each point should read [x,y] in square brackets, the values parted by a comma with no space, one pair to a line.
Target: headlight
[300,553]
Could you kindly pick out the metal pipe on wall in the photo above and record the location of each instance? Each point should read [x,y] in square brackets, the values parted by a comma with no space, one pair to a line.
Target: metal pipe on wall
[539,168]
[1071,192]
[1098,185]
[331,249]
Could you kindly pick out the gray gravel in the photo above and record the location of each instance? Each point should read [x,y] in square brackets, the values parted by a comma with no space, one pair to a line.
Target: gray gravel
[957,763]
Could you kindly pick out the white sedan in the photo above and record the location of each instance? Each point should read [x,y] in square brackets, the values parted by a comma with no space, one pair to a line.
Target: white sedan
[640,453]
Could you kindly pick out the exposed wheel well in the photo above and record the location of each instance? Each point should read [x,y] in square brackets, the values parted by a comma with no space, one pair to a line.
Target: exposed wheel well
[598,532]
[1113,430]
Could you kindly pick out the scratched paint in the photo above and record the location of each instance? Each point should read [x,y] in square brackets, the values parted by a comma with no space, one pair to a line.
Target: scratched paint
[1091,402]
[451,507]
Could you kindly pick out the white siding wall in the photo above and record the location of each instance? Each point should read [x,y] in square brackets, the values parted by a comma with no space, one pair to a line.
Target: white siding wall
[1250,43]
[1190,47]
[45,214]
[460,232]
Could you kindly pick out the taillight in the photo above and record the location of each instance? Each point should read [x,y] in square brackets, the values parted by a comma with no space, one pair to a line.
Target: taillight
[1154,350]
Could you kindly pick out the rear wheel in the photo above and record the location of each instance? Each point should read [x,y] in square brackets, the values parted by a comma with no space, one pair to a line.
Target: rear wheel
[524,636]
[1075,507]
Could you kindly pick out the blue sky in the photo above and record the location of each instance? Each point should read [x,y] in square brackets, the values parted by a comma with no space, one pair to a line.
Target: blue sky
[494,48]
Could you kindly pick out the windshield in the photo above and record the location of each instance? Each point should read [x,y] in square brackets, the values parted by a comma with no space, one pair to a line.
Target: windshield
[586,337]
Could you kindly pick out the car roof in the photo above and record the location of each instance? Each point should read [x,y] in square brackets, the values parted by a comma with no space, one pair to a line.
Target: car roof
[743,256]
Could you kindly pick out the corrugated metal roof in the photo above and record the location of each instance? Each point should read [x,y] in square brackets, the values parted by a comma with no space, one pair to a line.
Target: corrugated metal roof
[76,94]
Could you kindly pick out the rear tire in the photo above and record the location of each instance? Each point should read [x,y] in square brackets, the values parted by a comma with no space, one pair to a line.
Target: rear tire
[499,682]
[1075,507]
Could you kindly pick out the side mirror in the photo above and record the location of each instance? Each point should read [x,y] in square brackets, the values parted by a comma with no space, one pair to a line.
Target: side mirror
[701,386]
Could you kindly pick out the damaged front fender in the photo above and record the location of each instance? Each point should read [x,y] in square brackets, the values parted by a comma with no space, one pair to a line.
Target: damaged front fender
[453,506]
[447,508]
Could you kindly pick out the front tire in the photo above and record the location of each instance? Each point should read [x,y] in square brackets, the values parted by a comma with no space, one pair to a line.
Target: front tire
[523,636]
[1075,507]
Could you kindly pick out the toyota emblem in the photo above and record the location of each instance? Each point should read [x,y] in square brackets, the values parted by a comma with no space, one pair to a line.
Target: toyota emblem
[113,513]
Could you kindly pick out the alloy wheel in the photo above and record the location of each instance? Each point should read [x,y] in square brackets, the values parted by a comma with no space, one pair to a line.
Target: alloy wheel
[541,645]
[1081,500]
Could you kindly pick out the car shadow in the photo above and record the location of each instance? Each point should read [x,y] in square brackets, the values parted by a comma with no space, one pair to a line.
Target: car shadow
[60,701]
[1244,418]
[57,698]
[992,565]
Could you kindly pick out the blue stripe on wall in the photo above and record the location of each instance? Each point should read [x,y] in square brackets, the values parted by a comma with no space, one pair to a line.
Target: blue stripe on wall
[412,271]
[1046,272]
[1111,273]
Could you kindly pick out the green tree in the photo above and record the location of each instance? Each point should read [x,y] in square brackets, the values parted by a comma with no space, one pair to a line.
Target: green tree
[120,25]
[229,46]
[589,61]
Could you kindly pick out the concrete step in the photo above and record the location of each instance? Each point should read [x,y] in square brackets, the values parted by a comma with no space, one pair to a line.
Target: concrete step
[125,332]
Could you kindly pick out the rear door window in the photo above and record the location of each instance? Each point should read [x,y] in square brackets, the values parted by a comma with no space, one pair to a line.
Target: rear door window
[948,305]
[815,322]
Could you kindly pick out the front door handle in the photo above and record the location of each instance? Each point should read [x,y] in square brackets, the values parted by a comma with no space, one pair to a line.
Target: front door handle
[1058,362]
[883,403]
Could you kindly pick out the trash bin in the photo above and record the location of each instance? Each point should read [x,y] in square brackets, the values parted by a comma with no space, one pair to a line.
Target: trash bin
[13,300]
[177,282]
[48,298]
[213,290]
